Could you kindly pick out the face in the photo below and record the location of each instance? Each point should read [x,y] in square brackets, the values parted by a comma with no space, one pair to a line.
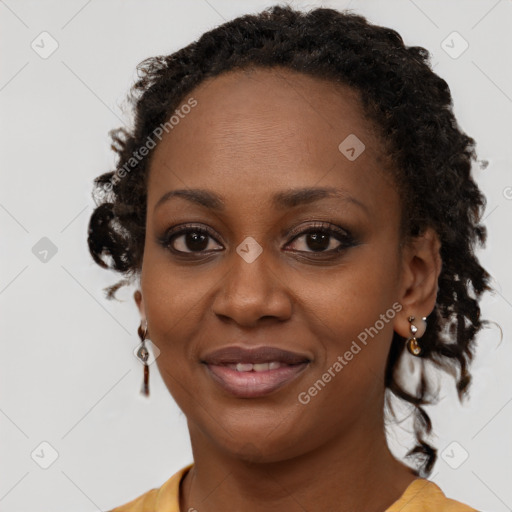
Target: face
[273,307]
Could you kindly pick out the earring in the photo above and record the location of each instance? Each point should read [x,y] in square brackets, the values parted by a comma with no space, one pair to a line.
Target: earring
[412,343]
[143,355]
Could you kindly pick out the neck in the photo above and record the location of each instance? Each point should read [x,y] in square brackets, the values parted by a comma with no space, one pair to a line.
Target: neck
[356,472]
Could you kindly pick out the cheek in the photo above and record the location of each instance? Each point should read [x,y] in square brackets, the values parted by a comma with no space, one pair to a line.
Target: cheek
[174,305]
[177,302]
[354,298]
[353,322]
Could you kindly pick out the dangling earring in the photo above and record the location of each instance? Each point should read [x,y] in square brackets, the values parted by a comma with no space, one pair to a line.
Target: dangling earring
[412,343]
[143,355]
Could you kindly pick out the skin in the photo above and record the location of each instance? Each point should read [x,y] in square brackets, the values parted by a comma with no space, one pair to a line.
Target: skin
[251,135]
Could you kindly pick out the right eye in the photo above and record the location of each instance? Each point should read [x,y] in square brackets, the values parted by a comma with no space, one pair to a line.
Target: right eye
[190,239]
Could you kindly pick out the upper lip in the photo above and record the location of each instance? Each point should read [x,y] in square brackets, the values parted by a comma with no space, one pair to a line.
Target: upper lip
[237,354]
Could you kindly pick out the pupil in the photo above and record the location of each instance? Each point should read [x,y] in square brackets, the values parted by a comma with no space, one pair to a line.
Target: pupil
[196,241]
[318,241]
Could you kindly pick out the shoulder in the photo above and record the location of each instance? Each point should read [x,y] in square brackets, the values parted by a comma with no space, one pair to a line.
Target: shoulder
[158,499]
[143,503]
[425,496]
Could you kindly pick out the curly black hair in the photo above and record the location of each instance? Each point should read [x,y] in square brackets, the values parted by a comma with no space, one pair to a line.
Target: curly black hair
[409,106]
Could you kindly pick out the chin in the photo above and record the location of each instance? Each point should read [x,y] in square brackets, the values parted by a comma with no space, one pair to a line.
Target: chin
[256,446]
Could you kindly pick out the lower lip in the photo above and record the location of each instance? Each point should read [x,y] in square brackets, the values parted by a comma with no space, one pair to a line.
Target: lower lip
[254,384]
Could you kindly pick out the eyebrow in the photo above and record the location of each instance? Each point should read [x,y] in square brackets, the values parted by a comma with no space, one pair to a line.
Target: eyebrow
[285,199]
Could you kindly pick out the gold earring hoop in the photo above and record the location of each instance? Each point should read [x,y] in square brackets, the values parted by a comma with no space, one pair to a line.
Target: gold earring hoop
[413,345]
[143,355]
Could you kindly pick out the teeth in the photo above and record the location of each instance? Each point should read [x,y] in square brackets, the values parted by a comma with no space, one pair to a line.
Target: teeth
[256,367]
[260,367]
[244,367]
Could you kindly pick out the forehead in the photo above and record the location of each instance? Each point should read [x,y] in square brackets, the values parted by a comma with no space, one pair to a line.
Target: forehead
[264,129]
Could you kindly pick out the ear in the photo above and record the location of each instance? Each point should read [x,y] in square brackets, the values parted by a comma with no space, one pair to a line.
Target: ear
[421,266]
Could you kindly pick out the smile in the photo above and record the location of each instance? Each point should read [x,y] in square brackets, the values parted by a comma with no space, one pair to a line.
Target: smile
[252,373]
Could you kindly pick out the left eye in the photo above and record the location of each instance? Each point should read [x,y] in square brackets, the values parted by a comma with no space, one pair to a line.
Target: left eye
[321,240]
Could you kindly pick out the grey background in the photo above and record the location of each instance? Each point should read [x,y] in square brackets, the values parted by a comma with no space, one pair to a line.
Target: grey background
[68,374]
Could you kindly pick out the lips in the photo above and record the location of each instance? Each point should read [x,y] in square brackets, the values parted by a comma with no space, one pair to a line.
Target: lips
[234,355]
[254,372]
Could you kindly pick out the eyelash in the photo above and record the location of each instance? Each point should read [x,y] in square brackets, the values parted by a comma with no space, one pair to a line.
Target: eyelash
[343,236]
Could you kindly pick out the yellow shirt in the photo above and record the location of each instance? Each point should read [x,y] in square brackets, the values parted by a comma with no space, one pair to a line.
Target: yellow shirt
[420,496]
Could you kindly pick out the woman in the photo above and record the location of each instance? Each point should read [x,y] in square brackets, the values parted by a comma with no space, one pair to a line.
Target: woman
[296,206]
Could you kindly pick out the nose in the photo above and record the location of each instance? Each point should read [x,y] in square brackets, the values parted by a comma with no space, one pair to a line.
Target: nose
[251,292]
